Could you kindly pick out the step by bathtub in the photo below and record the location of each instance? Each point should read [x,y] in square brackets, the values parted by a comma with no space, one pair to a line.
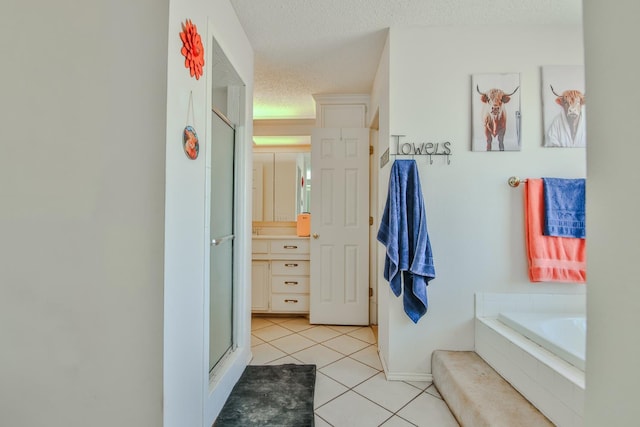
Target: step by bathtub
[478,396]
[542,367]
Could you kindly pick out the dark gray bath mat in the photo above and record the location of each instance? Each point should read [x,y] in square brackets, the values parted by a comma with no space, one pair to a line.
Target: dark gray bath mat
[278,395]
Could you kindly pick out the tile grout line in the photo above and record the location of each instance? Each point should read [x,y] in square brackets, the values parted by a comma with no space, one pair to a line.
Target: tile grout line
[317,342]
[343,357]
[322,343]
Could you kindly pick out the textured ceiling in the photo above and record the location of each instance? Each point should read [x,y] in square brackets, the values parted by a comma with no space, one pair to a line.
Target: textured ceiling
[306,47]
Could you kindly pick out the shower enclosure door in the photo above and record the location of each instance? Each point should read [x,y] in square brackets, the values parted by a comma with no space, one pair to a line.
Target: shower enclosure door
[222,238]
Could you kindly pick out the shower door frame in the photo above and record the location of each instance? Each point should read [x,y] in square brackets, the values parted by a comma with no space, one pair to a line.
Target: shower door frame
[236,105]
[228,236]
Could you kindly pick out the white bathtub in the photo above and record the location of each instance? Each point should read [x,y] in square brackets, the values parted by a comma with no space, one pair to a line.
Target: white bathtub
[543,361]
[562,334]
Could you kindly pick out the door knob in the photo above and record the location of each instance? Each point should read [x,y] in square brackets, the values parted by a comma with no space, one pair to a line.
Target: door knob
[315,235]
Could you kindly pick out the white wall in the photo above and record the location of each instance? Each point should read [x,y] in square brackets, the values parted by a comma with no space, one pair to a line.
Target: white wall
[189,399]
[82,170]
[613,300]
[475,219]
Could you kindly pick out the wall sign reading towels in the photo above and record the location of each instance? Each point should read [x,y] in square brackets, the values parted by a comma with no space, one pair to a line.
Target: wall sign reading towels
[410,148]
[422,148]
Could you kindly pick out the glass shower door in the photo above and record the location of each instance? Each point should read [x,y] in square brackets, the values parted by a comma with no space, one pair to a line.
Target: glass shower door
[222,239]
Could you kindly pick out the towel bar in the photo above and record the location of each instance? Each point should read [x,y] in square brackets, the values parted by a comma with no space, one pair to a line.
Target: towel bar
[514,181]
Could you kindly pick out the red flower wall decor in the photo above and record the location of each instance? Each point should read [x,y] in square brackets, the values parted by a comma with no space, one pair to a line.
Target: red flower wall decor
[192,49]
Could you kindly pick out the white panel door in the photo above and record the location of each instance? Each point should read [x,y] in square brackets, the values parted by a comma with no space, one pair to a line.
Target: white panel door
[340,227]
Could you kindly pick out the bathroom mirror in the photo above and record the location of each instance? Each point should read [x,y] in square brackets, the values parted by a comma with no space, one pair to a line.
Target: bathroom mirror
[281,184]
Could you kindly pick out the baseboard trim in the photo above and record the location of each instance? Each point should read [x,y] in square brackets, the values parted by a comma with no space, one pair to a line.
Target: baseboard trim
[403,376]
[408,376]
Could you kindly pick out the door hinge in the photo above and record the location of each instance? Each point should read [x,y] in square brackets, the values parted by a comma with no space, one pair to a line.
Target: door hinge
[370,149]
[370,220]
[370,292]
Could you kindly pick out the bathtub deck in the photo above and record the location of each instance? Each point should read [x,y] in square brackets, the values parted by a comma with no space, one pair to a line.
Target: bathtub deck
[478,396]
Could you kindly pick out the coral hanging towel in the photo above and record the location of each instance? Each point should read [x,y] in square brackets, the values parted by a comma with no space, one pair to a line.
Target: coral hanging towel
[403,231]
[551,259]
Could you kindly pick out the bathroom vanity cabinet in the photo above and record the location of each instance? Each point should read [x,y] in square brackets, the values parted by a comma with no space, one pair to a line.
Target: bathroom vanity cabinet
[280,274]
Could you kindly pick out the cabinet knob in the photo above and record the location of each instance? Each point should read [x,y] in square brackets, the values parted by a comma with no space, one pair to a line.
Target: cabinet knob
[315,235]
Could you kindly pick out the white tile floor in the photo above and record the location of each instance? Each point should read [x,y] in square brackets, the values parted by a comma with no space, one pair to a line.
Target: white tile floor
[351,389]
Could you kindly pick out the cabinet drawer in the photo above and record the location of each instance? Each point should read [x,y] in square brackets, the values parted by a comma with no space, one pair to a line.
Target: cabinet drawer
[289,302]
[290,284]
[290,268]
[293,246]
[260,246]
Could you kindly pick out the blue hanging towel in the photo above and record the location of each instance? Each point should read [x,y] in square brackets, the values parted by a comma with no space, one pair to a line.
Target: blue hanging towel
[564,207]
[403,231]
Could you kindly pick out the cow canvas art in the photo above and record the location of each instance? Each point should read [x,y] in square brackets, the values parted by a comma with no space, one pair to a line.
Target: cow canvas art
[496,112]
[563,99]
